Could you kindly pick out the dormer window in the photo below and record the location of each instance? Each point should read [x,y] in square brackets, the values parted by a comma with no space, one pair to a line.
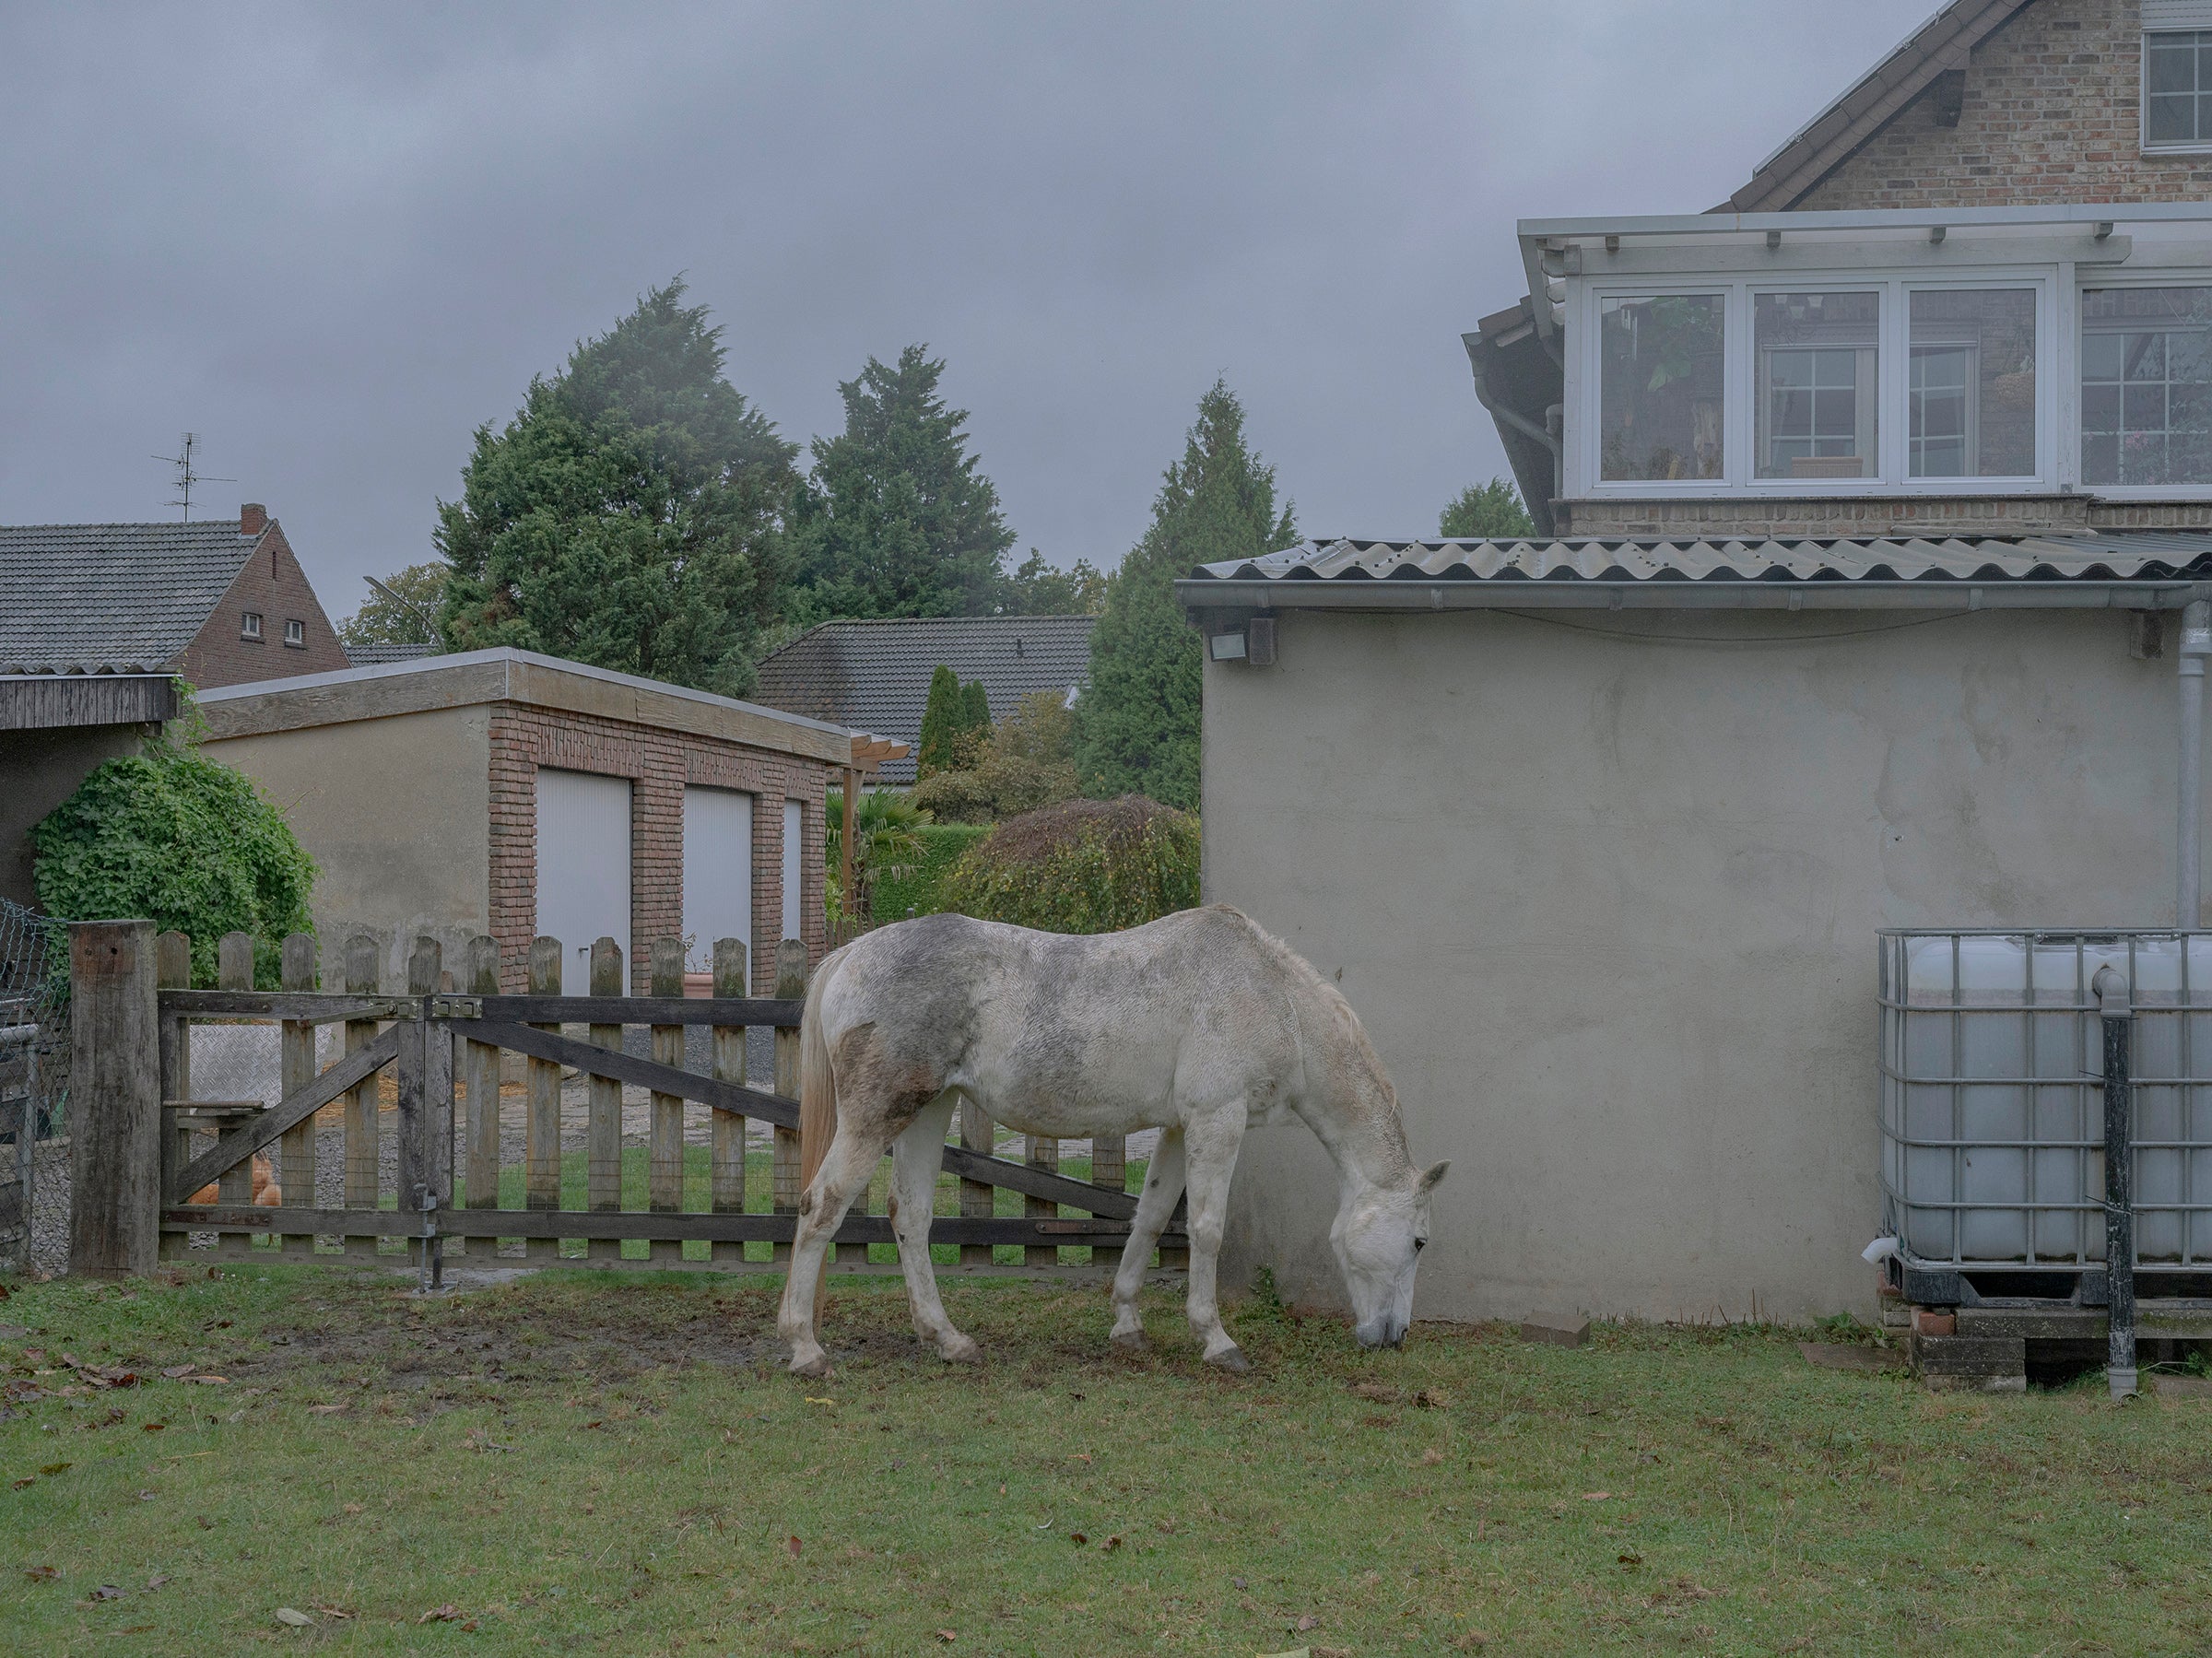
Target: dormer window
[2177,85]
[295,633]
[248,626]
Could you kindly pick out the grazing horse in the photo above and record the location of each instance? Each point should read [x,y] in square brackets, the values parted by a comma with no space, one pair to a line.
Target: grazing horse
[1198,1025]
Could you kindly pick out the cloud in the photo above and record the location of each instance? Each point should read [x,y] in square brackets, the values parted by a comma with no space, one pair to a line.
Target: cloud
[335,241]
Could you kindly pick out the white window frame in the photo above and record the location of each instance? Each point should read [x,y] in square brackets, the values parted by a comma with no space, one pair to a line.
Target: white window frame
[249,625]
[2057,463]
[2149,278]
[2200,146]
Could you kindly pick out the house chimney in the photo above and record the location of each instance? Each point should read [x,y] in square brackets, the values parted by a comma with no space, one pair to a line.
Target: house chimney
[252,518]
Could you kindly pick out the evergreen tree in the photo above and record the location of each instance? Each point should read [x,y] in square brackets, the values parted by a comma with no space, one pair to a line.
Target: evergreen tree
[1037,588]
[944,717]
[975,708]
[1492,510]
[631,513]
[1138,724]
[895,520]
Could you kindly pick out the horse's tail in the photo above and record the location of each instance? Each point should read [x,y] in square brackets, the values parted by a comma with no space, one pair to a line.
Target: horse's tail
[818,1081]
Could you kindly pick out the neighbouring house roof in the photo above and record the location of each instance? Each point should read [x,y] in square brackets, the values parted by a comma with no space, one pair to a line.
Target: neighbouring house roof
[2139,570]
[111,598]
[1871,102]
[369,657]
[470,677]
[875,675]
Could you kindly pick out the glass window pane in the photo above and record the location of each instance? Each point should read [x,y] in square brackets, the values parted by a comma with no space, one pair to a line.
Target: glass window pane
[2173,120]
[2146,385]
[2173,66]
[1972,382]
[1817,379]
[1660,379]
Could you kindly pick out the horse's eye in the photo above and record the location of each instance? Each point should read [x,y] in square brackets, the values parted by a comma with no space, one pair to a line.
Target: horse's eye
[1420,1244]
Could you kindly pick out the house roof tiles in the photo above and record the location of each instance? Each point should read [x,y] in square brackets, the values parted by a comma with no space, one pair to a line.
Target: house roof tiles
[111,598]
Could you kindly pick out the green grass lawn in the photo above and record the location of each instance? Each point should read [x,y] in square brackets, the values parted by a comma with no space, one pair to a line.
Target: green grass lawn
[614,1463]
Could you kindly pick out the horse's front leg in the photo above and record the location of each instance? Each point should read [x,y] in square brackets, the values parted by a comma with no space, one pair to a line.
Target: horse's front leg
[1210,1143]
[842,1177]
[1163,1185]
[916,1156]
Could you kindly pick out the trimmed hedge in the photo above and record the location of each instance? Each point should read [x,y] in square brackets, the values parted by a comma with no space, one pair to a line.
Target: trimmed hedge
[942,844]
[1081,866]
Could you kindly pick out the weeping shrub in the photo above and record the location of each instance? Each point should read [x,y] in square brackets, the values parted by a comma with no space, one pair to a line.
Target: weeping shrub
[1081,866]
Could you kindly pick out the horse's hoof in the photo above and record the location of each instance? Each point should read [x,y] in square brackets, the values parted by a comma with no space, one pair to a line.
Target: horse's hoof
[813,1368]
[961,1351]
[1231,1359]
[1129,1341]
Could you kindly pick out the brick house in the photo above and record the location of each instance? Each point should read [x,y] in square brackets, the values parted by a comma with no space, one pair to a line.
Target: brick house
[1866,503]
[216,603]
[513,794]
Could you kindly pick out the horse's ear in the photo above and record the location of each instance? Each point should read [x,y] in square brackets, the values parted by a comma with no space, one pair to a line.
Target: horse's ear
[1432,1176]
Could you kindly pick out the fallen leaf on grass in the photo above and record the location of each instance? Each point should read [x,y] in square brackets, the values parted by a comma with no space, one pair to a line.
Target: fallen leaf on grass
[148,1496]
[814,1401]
[1596,1496]
[447,1614]
[1430,1457]
[153,1427]
[153,1583]
[1111,1543]
[1433,1398]
[51,1469]
[28,1479]
[1307,1621]
[106,1592]
[177,1372]
[946,1635]
[1631,1559]
[42,1574]
[324,1410]
[793,1544]
[1078,1539]
[293,1616]
[211,1381]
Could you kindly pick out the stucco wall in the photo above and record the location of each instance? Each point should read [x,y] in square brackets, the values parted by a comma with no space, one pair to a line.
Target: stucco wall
[394,811]
[1606,906]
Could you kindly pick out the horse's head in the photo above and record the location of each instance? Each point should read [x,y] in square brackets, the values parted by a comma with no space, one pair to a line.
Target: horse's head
[1379,1235]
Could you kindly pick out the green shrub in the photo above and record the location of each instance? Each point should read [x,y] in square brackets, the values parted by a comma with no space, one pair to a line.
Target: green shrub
[919,891]
[1081,866]
[1028,762]
[189,841]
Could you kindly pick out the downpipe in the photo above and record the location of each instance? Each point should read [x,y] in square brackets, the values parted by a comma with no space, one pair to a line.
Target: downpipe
[2117,1018]
[2196,644]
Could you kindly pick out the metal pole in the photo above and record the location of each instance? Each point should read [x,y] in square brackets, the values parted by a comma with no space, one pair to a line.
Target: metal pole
[2110,986]
[2196,644]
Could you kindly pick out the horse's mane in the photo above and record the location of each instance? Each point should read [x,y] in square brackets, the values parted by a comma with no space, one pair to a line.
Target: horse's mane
[1325,999]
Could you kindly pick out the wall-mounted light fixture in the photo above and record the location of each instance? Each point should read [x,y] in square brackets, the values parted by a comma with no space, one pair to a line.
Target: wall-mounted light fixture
[1251,644]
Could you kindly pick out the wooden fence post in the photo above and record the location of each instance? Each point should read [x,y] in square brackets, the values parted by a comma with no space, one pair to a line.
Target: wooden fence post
[426,1086]
[665,1153]
[725,1157]
[1110,1168]
[295,1070]
[979,1199]
[234,970]
[1042,1151]
[790,984]
[172,970]
[364,1172]
[602,1133]
[114,1099]
[541,1129]
[480,968]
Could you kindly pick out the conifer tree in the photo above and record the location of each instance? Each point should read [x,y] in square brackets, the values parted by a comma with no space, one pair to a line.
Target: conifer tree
[1138,723]
[895,519]
[944,717]
[1487,510]
[975,708]
[631,515]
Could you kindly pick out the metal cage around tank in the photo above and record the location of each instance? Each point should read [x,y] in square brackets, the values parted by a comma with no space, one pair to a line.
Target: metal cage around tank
[1992,1114]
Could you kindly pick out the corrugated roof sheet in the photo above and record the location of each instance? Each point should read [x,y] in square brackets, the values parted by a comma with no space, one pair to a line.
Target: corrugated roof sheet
[111,598]
[2111,556]
[874,675]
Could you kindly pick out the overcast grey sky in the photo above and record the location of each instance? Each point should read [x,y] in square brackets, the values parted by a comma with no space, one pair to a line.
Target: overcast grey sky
[332,239]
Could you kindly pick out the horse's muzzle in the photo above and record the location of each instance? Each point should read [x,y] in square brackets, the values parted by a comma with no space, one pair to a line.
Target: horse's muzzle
[1382,1333]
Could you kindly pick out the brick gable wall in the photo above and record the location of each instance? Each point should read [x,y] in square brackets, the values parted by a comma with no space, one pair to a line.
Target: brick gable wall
[272,584]
[658,764]
[2051,113]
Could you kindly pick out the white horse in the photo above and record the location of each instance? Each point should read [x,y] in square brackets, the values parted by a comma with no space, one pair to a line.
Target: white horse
[1198,1024]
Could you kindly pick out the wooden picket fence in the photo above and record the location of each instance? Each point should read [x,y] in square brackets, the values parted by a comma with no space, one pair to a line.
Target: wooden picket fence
[458,1185]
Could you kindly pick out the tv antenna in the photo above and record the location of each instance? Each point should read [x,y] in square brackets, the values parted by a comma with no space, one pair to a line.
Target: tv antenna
[187,476]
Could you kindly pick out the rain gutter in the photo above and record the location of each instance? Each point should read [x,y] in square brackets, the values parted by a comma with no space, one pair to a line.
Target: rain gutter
[1403,593]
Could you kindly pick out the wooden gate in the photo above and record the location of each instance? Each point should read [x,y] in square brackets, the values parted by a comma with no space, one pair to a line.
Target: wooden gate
[440,1149]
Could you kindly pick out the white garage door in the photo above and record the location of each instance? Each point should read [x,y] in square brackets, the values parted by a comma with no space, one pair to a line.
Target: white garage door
[794,865]
[718,872]
[582,868]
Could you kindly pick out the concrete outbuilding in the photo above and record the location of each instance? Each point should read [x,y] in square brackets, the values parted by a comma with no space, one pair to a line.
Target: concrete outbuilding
[509,794]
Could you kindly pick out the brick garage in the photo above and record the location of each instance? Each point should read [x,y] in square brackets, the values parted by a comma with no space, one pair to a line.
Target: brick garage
[415,786]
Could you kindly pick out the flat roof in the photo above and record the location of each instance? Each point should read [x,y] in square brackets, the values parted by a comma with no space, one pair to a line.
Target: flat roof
[471,677]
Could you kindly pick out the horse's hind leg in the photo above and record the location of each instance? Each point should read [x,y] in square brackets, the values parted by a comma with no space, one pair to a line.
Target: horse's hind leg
[1163,1185]
[1210,1159]
[916,1156]
[843,1176]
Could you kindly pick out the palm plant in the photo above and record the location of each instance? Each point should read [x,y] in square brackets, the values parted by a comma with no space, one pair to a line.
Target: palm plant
[885,845]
